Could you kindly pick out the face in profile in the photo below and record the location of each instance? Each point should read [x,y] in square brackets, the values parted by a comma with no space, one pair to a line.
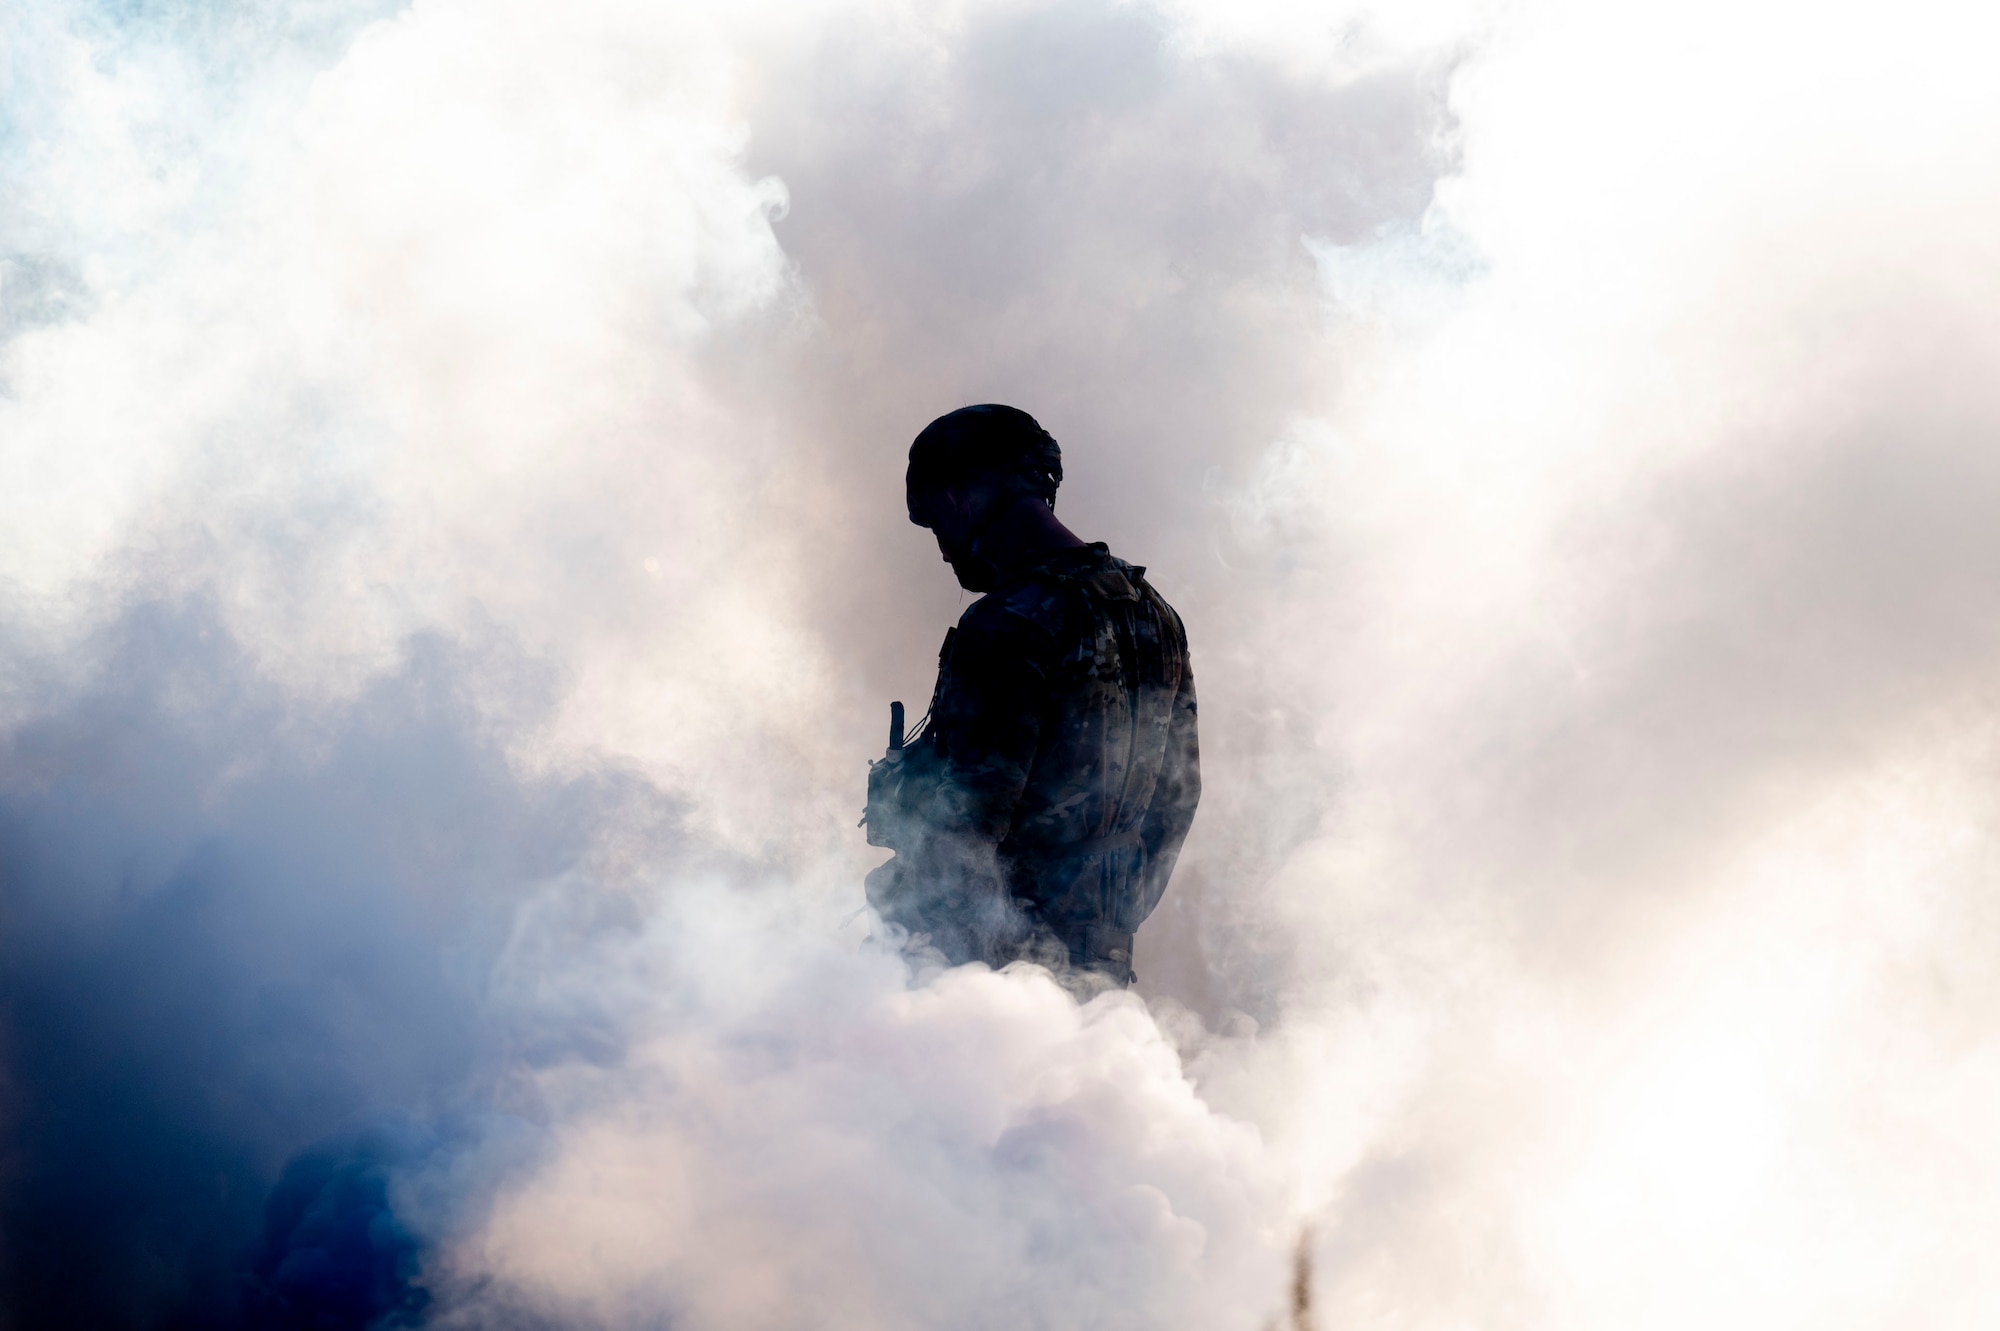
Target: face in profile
[950,515]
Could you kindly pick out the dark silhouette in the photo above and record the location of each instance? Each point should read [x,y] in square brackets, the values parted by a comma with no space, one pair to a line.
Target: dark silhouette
[1038,811]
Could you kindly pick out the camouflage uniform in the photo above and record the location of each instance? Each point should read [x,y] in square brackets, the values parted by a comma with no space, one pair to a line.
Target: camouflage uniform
[1040,811]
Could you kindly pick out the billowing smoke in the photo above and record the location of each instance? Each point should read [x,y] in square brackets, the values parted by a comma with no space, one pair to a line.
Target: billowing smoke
[452,570]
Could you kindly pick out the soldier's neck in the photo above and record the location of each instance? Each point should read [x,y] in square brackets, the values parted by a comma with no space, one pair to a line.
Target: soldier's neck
[1025,532]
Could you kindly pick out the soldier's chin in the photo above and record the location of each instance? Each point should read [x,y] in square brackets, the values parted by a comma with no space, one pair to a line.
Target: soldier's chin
[975,574]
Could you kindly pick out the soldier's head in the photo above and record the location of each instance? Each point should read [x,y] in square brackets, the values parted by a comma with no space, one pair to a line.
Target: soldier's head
[967,469]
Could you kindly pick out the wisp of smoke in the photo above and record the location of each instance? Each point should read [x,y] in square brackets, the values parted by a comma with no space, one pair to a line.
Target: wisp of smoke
[452,564]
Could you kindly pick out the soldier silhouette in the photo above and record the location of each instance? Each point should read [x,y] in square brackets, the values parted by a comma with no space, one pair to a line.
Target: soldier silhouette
[1039,808]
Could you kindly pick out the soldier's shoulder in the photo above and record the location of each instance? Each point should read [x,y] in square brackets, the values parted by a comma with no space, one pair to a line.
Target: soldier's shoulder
[1147,592]
[1114,579]
[1054,596]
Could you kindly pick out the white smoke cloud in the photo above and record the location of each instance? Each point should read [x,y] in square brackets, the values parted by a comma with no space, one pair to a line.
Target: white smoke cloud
[795,1135]
[453,562]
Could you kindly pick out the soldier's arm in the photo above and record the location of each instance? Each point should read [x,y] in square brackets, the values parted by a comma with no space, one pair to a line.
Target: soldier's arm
[1174,797]
[990,718]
